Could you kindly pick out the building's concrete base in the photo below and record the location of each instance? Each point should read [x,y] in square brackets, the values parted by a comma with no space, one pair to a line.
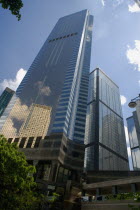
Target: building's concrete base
[110,205]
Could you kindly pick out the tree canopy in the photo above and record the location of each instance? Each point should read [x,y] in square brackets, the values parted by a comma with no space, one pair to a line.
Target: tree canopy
[13,5]
[17,186]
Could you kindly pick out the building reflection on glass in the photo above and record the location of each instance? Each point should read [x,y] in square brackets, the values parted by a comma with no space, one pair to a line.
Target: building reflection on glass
[58,78]
[105,137]
[134,139]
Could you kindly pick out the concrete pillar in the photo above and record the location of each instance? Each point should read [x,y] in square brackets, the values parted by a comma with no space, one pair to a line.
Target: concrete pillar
[114,190]
[133,187]
[98,191]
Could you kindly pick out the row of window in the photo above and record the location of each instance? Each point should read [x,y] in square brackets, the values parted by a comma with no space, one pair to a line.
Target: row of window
[23,140]
[62,37]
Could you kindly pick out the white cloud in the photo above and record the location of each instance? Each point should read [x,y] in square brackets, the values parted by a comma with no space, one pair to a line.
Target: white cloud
[134,8]
[139,82]
[123,99]
[103,2]
[133,54]
[13,83]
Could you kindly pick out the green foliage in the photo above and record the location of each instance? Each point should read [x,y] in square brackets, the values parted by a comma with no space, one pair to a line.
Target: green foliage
[13,5]
[125,196]
[53,198]
[17,186]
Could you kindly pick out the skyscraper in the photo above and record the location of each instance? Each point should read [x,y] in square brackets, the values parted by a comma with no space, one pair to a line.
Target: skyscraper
[58,78]
[105,137]
[133,124]
[138,2]
[5,98]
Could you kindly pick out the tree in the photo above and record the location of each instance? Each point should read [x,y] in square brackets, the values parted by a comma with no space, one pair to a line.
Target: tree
[17,186]
[13,5]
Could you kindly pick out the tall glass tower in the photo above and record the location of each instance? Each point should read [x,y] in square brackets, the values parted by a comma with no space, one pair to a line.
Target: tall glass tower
[105,138]
[5,98]
[58,79]
[133,125]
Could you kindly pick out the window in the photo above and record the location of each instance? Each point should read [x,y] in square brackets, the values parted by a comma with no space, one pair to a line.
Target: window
[22,142]
[30,141]
[80,130]
[81,115]
[78,135]
[81,110]
[61,114]
[16,140]
[65,95]
[78,119]
[62,109]
[63,104]
[58,125]
[75,154]
[47,144]
[60,119]
[57,144]
[57,130]
[82,106]
[10,140]
[80,125]
[37,141]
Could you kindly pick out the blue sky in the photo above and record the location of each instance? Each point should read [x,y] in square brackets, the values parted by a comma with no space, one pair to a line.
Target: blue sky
[115,46]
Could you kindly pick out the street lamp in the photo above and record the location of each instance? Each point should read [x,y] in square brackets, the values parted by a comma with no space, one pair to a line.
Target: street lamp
[133,103]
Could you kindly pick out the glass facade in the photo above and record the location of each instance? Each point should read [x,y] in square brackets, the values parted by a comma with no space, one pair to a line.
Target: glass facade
[133,139]
[105,137]
[5,98]
[58,78]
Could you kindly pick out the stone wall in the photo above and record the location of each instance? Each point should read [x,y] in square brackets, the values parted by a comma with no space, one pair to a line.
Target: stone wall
[110,205]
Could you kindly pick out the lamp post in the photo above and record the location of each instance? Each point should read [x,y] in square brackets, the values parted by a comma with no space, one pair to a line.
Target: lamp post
[132,103]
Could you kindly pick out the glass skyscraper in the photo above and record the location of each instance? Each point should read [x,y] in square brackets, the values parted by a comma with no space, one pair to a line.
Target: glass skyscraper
[58,78]
[5,99]
[134,137]
[105,137]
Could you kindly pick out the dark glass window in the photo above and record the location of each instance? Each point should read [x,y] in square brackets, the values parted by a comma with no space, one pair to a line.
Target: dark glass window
[63,104]
[78,119]
[16,140]
[65,95]
[80,130]
[47,144]
[82,94]
[37,141]
[10,140]
[60,114]
[75,154]
[79,135]
[81,115]
[57,130]
[30,141]
[79,124]
[82,98]
[59,125]
[82,106]
[57,144]
[22,142]
[60,119]
[81,110]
